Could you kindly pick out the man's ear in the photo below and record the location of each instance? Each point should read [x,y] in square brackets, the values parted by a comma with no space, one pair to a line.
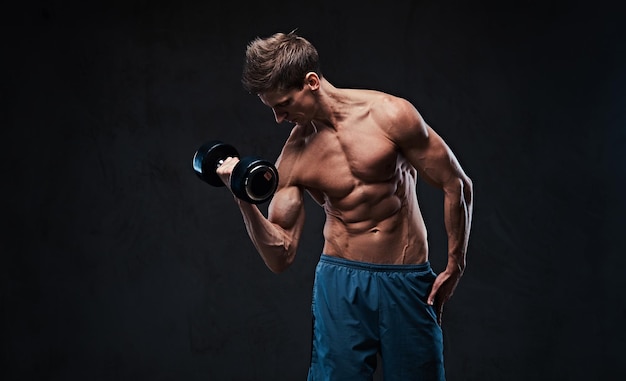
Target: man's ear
[312,80]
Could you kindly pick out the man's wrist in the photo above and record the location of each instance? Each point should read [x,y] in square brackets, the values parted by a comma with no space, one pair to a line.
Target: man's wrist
[455,265]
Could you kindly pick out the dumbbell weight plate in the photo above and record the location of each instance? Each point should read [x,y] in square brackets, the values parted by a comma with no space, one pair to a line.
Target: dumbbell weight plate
[254,180]
[207,159]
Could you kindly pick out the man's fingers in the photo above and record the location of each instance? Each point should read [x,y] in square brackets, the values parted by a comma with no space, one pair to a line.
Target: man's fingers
[436,301]
[225,169]
[437,284]
[432,296]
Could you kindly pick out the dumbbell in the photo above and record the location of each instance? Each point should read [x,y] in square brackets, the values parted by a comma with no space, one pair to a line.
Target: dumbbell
[253,179]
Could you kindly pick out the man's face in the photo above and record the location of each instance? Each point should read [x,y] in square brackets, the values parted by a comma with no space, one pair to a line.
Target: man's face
[295,106]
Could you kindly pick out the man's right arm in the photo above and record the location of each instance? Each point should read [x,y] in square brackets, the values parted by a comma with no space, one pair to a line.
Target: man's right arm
[276,237]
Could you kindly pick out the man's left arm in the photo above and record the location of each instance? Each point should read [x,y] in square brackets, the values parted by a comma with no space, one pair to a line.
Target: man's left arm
[437,164]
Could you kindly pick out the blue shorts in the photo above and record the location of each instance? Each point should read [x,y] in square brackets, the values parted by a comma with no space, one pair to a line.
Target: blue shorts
[361,309]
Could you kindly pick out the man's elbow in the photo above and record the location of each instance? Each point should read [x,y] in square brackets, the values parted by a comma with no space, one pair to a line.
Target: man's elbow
[280,264]
[468,190]
[461,186]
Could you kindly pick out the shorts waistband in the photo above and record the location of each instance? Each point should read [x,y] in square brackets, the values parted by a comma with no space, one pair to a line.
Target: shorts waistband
[325,258]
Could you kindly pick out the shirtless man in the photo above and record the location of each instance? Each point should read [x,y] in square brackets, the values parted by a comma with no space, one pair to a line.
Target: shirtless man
[358,153]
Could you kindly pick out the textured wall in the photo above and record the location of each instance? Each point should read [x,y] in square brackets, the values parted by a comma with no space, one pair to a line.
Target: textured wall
[119,264]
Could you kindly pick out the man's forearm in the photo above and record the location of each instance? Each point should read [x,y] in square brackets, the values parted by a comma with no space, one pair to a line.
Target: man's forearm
[458,211]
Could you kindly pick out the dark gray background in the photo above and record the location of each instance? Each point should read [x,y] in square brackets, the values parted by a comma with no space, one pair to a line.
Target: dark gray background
[119,264]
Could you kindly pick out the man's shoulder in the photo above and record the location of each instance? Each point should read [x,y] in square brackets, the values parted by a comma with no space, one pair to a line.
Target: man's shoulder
[297,137]
[393,108]
[372,95]
[294,144]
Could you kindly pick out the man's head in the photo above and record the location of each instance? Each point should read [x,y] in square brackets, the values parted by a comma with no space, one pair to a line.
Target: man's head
[279,63]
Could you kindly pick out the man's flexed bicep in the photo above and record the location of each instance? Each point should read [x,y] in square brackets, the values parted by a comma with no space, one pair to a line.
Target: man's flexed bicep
[287,211]
[276,237]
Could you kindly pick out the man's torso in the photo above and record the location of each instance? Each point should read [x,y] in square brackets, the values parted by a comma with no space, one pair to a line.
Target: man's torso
[366,187]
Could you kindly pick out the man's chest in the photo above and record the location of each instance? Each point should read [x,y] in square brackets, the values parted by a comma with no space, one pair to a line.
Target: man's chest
[336,162]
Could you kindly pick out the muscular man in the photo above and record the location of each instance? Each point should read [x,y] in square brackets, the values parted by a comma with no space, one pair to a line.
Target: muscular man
[358,153]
